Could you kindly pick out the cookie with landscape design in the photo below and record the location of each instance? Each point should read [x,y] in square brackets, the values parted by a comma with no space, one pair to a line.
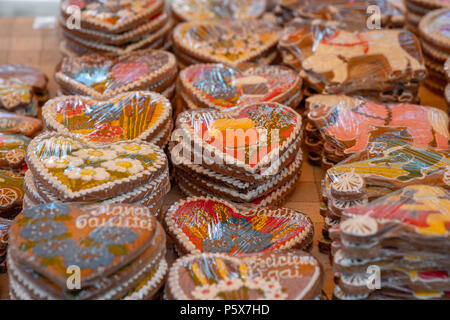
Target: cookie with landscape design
[228,42]
[220,87]
[116,247]
[74,170]
[188,10]
[279,275]
[212,225]
[12,123]
[139,115]
[270,130]
[104,76]
[111,16]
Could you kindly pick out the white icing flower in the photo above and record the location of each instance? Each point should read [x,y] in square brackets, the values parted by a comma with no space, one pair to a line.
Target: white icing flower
[95,154]
[133,148]
[63,162]
[87,174]
[131,166]
[59,143]
[275,295]
[229,284]
[205,292]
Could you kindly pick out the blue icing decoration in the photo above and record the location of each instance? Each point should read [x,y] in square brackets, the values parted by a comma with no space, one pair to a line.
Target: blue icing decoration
[90,257]
[42,230]
[50,211]
[54,248]
[91,75]
[112,235]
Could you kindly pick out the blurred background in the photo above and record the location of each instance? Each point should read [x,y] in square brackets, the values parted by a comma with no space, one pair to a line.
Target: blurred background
[28,8]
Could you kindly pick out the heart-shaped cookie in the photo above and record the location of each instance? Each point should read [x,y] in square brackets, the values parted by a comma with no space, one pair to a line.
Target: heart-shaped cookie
[11,190]
[213,225]
[12,150]
[190,10]
[111,16]
[99,241]
[220,87]
[102,76]
[77,171]
[247,138]
[229,42]
[129,116]
[281,275]
[12,123]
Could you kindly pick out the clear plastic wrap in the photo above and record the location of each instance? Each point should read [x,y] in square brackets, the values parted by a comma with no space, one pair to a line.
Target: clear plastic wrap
[225,41]
[350,13]
[385,64]
[189,10]
[412,223]
[115,249]
[349,124]
[139,115]
[220,87]
[104,76]
[282,275]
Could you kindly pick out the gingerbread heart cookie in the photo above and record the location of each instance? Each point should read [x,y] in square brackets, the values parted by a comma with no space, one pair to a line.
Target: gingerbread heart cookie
[111,16]
[102,242]
[74,170]
[220,87]
[12,150]
[190,10]
[139,115]
[228,42]
[11,193]
[280,275]
[213,225]
[435,28]
[12,123]
[266,131]
[104,76]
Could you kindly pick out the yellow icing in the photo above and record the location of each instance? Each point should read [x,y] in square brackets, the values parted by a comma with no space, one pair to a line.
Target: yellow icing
[222,268]
[223,124]
[436,223]
[429,294]
[198,274]
[243,270]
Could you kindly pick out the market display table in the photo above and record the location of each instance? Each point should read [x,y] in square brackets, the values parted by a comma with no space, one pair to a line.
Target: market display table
[27,41]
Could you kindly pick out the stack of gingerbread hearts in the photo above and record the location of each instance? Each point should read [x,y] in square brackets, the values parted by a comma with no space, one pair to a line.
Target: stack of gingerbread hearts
[248,154]
[231,42]
[281,275]
[115,26]
[4,230]
[193,10]
[347,125]
[382,64]
[435,36]
[384,167]
[417,9]
[103,76]
[60,251]
[220,87]
[22,89]
[137,115]
[396,247]
[65,167]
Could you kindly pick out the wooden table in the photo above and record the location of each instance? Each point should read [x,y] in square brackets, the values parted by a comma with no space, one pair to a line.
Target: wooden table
[21,43]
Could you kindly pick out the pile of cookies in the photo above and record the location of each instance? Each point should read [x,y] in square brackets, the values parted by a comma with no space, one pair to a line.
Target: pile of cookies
[384,65]
[416,9]
[231,42]
[66,168]
[62,251]
[396,247]
[248,154]
[219,87]
[433,29]
[339,126]
[104,76]
[22,89]
[118,27]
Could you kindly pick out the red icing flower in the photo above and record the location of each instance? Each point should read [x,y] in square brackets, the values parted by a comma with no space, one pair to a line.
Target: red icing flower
[129,71]
[70,108]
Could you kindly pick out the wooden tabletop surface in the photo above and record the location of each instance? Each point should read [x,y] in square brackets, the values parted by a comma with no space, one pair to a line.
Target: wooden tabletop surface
[22,42]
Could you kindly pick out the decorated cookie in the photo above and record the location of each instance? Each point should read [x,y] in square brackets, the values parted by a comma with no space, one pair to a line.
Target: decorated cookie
[435,27]
[136,115]
[228,42]
[74,170]
[212,225]
[12,150]
[221,87]
[111,16]
[188,10]
[102,76]
[349,124]
[282,275]
[11,123]
[106,243]
[11,192]
[270,129]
